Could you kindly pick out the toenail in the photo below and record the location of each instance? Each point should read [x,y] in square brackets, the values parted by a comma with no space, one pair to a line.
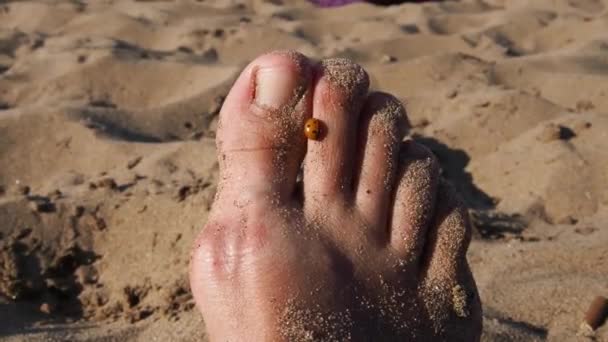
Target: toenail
[275,86]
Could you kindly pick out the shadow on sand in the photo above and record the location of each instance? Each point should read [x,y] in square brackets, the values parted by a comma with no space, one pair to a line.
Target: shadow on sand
[488,223]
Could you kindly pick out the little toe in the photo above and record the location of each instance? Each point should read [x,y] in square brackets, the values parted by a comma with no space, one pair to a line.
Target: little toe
[448,237]
[414,198]
[260,140]
[339,92]
[383,125]
[445,273]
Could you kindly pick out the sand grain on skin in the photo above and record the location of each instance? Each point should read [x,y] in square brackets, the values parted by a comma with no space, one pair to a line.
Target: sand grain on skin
[346,75]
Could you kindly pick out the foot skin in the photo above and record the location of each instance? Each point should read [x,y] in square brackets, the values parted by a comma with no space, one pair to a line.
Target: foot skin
[350,237]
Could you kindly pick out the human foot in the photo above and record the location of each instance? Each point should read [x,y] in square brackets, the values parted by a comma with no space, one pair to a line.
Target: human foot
[368,245]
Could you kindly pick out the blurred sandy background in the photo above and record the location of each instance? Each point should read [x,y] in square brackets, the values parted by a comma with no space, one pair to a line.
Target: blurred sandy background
[108,113]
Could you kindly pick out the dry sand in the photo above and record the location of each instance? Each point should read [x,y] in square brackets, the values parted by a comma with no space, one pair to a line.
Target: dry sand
[108,112]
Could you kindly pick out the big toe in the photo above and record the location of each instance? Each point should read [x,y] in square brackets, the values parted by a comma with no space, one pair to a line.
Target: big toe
[260,135]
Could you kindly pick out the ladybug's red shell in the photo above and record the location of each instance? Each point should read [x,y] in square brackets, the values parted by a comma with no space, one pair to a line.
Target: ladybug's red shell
[312,129]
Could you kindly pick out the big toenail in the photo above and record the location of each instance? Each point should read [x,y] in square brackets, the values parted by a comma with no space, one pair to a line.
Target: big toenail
[275,86]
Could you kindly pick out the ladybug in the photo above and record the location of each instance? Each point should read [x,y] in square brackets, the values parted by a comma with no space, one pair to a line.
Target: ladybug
[312,129]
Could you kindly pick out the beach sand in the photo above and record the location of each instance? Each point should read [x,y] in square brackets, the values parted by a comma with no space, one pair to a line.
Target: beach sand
[108,112]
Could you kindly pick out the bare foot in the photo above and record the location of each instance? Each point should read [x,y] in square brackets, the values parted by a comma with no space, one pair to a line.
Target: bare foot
[369,245]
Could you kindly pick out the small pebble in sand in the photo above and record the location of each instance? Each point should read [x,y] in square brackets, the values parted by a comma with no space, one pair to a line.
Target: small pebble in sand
[597,312]
[386,59]
[553,132]
[581,126]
